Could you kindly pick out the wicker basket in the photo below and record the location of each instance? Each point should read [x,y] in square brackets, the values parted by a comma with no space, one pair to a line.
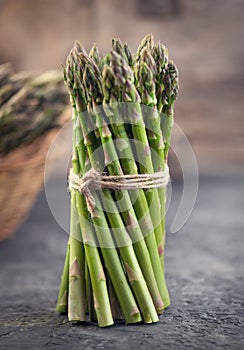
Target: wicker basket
[21,178]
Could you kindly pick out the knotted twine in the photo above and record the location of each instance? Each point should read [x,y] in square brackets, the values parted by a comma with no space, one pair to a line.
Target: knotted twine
[93,181]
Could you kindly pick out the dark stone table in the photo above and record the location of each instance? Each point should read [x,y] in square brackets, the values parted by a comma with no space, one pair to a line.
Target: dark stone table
[204,272]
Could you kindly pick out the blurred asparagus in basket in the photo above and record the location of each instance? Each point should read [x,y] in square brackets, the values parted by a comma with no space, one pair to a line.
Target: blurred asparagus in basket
[29,106]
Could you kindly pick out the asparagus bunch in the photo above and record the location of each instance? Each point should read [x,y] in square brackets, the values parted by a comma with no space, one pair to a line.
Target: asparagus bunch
[28,106]
[114,264]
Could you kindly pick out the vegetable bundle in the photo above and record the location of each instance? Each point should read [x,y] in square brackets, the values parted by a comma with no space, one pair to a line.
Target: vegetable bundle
[114,266]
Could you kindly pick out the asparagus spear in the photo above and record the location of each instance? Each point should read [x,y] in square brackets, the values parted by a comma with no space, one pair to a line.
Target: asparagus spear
[158,66]
[170,93]
[123,50]
[159,77]
[167,85]
[160,55]
[77,298]
[94,55]
[147,42]
[146,86]
[62,302]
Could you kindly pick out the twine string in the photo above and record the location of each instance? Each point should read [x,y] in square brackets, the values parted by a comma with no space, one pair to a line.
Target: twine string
[93,181]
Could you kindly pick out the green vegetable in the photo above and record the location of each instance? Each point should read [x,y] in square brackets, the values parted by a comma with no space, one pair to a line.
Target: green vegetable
[114,265]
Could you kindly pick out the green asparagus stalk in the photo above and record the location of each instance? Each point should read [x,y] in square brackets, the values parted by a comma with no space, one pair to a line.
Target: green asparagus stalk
[170,93]
[158,66]
[62,302]
[77,298]
[160,55]
[147,89]
[167,85]
[89,292]
[146,86]
[159,77]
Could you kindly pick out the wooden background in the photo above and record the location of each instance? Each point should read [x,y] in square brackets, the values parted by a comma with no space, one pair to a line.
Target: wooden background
[205,39]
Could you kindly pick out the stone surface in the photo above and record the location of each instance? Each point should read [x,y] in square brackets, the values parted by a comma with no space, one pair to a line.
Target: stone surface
[204,272]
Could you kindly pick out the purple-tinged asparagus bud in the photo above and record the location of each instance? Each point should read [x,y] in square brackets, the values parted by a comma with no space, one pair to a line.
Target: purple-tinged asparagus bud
[117,46]
[78,47]
[128,54]
[94,55]
[160,55]
[147,42]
